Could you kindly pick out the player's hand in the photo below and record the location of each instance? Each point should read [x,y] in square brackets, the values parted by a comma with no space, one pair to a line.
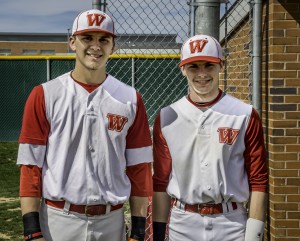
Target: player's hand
[131,239]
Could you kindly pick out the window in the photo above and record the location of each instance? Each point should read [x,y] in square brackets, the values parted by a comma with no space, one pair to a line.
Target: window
[47,52]
[5,51]
[30,52]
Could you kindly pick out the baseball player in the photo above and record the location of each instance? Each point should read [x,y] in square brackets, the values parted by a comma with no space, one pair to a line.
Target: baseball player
[209,158]
[85,147]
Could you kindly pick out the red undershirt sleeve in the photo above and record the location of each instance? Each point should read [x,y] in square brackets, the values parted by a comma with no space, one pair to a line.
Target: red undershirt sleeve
[30,181]
[138,136]
[162,159]
[35,129]
[140,176]
[255,155]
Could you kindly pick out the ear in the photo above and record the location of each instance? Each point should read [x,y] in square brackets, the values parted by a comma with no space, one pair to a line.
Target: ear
[222,64]
[182,68]
[72,43]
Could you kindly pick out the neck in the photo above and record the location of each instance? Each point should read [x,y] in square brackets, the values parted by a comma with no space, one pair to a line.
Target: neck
[91,77]
[199,98]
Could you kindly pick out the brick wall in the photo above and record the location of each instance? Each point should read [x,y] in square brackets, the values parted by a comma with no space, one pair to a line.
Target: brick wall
[281,113]
[280,108]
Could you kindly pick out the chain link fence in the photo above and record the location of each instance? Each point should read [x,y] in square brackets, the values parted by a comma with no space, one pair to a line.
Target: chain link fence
[150,35]
[235,37]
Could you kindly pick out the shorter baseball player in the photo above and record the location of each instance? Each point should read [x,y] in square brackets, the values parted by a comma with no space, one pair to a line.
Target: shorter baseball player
[209,158]
[85,147]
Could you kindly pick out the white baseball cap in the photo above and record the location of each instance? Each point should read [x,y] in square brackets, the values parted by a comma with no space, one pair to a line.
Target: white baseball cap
[93,21]
[200,47]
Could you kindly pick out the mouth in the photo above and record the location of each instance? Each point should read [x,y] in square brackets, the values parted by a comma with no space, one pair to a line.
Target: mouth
[202,81]
[94,55]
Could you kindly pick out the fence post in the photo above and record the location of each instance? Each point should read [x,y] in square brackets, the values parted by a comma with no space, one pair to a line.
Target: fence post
[132,72]
[257,54]
[48,70]
[207,17]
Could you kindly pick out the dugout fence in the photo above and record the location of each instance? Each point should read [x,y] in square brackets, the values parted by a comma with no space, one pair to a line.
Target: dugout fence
[156,77]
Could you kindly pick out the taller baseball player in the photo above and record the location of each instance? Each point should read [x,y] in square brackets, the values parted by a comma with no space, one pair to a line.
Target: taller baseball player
[85,147]
[209,158]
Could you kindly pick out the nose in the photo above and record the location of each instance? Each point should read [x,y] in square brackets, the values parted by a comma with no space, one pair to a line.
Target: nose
[201,72]
[95,45]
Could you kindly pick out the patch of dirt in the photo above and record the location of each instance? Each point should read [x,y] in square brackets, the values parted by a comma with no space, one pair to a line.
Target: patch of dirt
[4,236]
[8,200]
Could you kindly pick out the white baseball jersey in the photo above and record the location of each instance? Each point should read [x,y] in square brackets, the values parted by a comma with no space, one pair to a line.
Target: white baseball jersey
[87,151]
[214,154]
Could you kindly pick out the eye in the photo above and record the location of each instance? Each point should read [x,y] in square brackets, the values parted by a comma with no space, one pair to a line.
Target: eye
[208,65]
[192,66]
[103,40]
[87,38]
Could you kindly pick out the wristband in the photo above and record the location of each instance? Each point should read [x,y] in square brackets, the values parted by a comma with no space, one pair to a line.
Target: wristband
[159,231]
[31,224]
[138,228]
[254,230]
[33,236]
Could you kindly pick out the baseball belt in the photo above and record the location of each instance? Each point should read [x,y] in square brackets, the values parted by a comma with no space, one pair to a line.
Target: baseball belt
[205,208]
[88,210]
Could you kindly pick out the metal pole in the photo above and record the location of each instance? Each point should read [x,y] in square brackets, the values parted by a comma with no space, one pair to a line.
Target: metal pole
[207,17]
[96,4]
[225,48]
[68,37]
[132,72]
[48,70]
[257,54]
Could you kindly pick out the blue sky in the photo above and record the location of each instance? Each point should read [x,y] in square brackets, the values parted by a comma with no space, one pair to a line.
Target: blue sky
[56,16]
[40,16]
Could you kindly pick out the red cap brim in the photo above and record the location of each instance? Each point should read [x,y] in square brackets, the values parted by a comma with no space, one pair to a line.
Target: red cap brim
[93,30]
[199,58]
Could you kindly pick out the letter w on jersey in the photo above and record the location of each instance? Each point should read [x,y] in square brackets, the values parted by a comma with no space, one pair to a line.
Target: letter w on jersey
[227,135]
[95,19]
[116,122]
[197,45]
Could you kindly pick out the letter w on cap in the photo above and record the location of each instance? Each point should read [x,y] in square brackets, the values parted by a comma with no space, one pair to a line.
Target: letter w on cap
[95,19]
[197,45]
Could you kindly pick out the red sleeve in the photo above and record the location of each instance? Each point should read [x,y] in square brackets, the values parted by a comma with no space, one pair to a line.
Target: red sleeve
[35,126]
[30,181]
[255,155]
[139,133]
[141,180]
[162,159]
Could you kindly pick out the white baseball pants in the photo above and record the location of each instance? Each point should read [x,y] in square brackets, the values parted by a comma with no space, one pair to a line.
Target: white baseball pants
[189,226]
[58,226]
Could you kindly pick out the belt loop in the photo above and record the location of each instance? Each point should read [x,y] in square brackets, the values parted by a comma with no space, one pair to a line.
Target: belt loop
[108,208]
[225,207]
[179,204]
[67,208]
[230,207]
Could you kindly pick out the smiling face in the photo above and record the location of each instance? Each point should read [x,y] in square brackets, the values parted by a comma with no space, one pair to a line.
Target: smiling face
[203,80]
[92,50]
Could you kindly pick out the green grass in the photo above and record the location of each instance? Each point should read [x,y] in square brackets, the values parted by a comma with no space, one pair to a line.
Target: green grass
[11,227]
